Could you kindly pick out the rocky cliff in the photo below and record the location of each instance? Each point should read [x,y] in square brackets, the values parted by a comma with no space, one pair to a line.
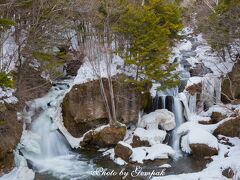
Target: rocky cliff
[83,106]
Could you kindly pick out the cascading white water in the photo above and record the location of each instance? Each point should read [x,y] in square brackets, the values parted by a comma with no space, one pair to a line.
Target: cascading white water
[174,102]
[44,146]
[179,117]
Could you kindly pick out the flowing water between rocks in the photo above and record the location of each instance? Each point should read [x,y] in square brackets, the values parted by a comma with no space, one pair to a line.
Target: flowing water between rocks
[50,155]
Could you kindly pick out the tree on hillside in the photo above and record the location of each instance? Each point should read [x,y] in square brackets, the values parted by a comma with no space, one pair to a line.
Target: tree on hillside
[222,29]
[148,31]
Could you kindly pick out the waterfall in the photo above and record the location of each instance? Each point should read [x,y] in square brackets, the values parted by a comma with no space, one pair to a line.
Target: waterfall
[178,104]
[43,144]
[179,116]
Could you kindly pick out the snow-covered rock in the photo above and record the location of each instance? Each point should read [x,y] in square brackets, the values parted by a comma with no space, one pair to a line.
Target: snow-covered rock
[162,117]
[197,140]
[157,151]
[153,136]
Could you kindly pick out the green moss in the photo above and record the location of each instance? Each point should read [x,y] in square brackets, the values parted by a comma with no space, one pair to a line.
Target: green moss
[2,122]
[6,23]
[6,80]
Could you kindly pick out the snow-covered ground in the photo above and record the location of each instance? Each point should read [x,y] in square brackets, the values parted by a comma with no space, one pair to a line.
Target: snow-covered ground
[229,156]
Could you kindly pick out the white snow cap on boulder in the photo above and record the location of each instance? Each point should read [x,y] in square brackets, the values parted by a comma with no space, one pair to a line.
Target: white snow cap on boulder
[194,133]
[153,136]
[162,117]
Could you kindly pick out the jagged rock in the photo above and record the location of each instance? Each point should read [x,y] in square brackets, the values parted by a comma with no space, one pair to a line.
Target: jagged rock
[84,109]
[229,128]
[103,137]
[203,150]
[123,151]
[231,85]
[228,173]
[137,142]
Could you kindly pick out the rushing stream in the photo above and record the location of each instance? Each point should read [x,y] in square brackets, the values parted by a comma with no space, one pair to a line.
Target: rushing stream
[47,150]
[48,147]
[50,155]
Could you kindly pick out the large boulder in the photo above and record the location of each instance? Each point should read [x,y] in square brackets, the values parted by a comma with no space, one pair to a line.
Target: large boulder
[84,109]
[197,141]
[102,137]
[229,128]
[123,151]
[203,150]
